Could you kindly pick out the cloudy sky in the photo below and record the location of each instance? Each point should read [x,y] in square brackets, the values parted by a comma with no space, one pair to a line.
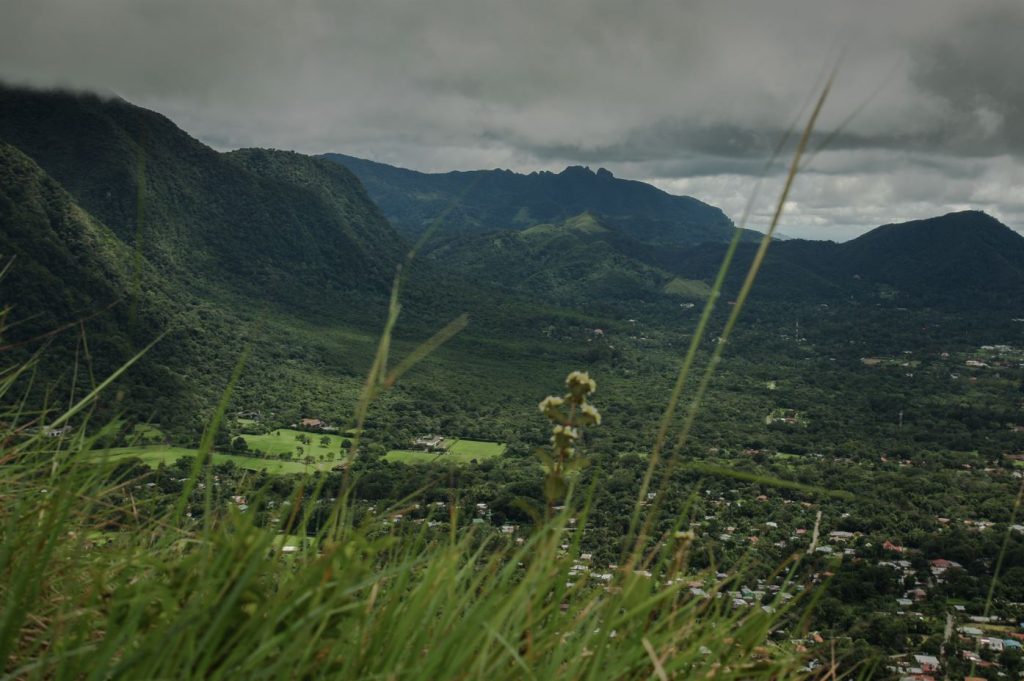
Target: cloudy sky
[692,95]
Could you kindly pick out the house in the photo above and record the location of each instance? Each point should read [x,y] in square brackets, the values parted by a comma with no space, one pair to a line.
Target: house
[927,663]
[889,546]
[940,565]
[995,644]
[59,432]
[311,423]
[430,443]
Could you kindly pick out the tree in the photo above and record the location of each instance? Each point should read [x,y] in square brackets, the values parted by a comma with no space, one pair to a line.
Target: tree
[239,445]
[325,441]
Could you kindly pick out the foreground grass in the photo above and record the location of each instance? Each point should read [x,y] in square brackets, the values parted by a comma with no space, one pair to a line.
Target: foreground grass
[166,595]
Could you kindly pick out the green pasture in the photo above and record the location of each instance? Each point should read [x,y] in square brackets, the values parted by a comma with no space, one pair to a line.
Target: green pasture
[156,455]
[282,440]
[459,451]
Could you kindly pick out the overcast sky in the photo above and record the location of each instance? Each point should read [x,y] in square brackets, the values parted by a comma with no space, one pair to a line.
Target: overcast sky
[690,95]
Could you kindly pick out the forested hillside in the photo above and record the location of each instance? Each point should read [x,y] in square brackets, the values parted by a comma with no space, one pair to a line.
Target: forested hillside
[239,222]
[488,200]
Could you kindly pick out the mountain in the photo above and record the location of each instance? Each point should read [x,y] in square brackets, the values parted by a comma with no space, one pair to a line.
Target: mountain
[961,260]
[123,229]
[119,218]
[968,251]
[492,200]
[575,262]
[268,224]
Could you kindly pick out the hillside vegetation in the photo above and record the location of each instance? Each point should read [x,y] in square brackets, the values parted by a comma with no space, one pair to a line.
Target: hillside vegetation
[487,200]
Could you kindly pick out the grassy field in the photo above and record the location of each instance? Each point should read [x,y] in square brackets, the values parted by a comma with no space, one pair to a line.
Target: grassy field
[146,431]
[688,288]
[283,440]
[413,456]
[160,454]
[460,451]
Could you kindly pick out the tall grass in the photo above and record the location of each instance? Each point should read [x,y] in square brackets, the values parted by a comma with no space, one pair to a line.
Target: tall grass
[97,584]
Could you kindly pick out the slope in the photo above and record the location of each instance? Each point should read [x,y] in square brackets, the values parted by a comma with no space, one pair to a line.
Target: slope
[959,260]
[958,257]
[72,285]
[578,262]
[235,221]
[487,200]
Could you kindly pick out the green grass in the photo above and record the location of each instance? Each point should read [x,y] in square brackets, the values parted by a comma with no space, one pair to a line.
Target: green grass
[162,593]
[147,431]
[156,455]
[464,450]
[688,288]
[282,441]
[459,451]
[414,456]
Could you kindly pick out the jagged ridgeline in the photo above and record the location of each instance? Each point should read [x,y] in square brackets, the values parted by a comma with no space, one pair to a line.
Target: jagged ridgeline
[488,200]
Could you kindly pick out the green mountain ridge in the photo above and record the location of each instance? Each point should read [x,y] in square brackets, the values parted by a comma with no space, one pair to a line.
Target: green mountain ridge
[490,200]
[239,221]
[960,259]
[288,255]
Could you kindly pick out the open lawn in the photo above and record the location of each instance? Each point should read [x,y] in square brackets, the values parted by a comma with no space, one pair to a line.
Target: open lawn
[145,431]
[464,450]
[160,454]
[414,456]
[283,440]
[459,451]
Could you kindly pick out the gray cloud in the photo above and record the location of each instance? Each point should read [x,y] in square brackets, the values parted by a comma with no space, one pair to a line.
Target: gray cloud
[687,93]
[974,71]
